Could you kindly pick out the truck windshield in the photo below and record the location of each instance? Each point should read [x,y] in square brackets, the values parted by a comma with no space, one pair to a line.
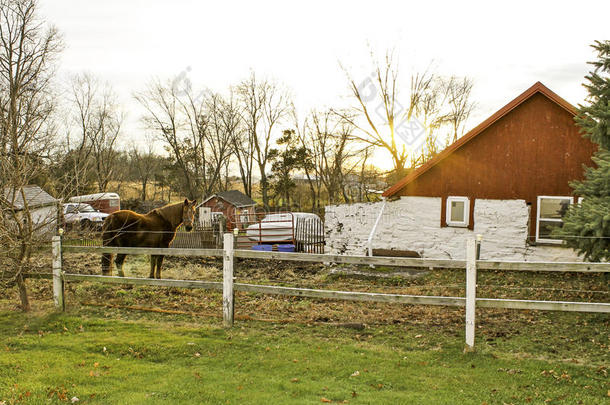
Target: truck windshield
[85,208]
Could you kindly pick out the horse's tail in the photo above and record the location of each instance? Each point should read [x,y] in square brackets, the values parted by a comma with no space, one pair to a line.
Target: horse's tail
[107,237]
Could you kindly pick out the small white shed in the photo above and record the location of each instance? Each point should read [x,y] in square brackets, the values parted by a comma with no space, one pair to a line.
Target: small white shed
[43,208]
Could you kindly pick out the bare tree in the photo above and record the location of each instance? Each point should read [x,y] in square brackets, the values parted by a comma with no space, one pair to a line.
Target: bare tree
[90,150]
[377,113]
[28,50]
[368,176]
[460,106]
[381,89]
[309,169]
[78,147]
[444,103]
[243,150]
[162,105]
[197,130]
[265,104]
[242,143]
[144,163]
[335,155]
[211,142]
[429,107]
[228,125]
[104,137]
[329,140]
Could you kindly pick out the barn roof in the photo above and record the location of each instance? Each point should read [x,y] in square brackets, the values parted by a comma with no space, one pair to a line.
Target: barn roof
[233,197]
[34,195]
[538,87]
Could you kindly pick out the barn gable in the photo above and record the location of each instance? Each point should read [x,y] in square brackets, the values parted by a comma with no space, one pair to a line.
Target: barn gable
[233,197]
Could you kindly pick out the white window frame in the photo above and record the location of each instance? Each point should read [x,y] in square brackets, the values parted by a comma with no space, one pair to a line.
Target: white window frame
[460,224]
[549,197]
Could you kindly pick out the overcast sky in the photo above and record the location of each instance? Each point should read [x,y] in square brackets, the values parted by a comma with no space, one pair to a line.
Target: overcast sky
[504,46]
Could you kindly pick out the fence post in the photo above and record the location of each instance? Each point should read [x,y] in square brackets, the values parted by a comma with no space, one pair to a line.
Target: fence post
[58,280]
[227,281]
[221,232]
[471,287]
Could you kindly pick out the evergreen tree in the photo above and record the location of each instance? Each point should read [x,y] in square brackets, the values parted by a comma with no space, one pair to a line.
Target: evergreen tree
[587,225]
[292,157]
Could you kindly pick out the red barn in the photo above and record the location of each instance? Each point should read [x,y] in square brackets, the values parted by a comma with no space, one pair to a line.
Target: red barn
[237,207]
[508,177]
[530,148]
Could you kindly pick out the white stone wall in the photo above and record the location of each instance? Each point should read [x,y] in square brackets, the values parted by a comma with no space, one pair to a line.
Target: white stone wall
[551,254]
[413,223]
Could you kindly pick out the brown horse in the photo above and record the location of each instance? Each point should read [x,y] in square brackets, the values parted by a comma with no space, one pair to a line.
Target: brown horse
[155,229]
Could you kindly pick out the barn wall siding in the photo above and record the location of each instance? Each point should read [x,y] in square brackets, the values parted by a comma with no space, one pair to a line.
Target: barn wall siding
[412,223]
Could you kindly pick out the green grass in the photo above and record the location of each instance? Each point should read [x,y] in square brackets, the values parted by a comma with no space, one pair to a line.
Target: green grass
[110,357]
[293,349]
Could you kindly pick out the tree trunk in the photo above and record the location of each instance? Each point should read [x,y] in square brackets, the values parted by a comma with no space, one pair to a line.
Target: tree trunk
[264,187]
[23,293]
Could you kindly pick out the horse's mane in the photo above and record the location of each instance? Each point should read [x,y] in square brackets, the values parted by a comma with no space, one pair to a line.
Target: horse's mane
[170,213]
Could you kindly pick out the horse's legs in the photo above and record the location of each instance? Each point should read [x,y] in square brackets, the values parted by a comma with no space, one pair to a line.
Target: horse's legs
[159,263]
[120,258]
[153,264]
[107,264]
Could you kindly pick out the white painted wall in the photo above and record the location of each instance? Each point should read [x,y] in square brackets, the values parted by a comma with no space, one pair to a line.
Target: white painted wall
[413,223]
[44,220]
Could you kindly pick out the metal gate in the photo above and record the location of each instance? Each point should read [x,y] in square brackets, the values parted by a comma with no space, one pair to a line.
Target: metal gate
[309,235]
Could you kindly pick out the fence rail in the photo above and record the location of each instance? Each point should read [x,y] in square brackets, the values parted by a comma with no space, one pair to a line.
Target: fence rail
[208,285]
[228,286]
[359,260]
[340,295]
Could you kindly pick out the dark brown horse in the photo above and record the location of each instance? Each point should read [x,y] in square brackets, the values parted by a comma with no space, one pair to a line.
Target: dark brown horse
[155,229]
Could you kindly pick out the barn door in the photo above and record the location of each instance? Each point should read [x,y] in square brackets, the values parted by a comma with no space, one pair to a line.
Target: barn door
[205,217]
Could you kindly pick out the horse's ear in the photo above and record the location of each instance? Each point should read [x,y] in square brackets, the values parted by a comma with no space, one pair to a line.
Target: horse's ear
[186,201]
[194,202]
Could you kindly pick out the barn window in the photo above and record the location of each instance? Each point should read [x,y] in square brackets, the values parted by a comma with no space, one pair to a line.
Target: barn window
[243,218]
[551,211]
[458,211]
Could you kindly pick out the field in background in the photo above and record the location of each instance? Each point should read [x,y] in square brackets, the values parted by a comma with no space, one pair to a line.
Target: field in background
[301,198]
[133,190]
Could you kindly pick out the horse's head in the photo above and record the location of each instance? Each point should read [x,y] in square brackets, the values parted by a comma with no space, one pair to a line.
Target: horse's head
[188,214]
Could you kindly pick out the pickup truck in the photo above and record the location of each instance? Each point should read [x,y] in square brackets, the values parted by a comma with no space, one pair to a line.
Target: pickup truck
[82,216]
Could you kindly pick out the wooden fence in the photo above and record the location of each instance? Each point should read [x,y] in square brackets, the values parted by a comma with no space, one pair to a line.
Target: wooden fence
[228,286]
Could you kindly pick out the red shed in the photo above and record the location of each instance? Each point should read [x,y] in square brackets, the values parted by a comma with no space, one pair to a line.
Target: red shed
[529,150]
[237,207]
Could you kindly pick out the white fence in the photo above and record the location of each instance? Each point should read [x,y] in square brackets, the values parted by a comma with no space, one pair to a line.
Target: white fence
[228,286]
